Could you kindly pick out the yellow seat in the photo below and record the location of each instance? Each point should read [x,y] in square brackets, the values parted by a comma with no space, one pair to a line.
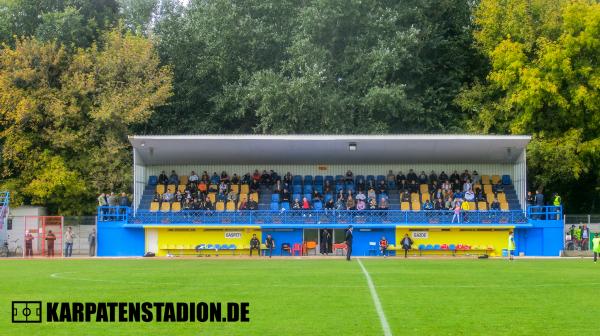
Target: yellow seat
[501,197]
[235,188]
[243,198]
[183,179]
[160,189]
[405,206]
[472,206]
[181,188]
[485,179]
[482,205]
[165,207]
[477,186]
[489,198]
[487,189]
[424,188]
[425,197]
[414,197]
[503,206]
[154,206]
[416,206]
[244,189]
[496,179]
[254,196]
[171,188]
[212,197]
[176,206]
[230,206]
[220,206]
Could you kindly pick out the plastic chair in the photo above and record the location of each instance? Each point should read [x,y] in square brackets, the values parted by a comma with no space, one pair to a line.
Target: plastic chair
[429,247]
[451,247]
[310,245]
[275,197]
[436,247]
[318,205]
[422,247]
[275,206]
[319,180]
[285,205]
[153,180]
[444,246]
[297,248]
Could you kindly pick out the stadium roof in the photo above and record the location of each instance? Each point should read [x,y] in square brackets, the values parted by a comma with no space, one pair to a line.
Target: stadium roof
[317,149]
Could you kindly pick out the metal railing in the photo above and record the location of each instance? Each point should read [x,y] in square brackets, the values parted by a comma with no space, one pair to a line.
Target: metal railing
[545,212]
[300,217]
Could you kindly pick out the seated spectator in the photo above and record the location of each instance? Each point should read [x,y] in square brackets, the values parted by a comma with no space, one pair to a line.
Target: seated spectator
[340,204]
[256,176]
[465,176]
[205,177]
[402,185]
[437,194]
[305,204]
[243,205]
[208,204]
[235,179]
[360,196]
[383,204]
[156,198]
[423,178]
[251,204]
[173,179]
[202,187]
[433,177]
[274,176]
[162,178]
[288,178]
[391,177]
[469,196]
[350,203]
[495,204]
[456,185]
[341,195]
[475,178]
[400,177]
[178,196]
[372,203]
[246,179]
[187,205]
[411,176]
[405,196]
[167,197]
[360,185]
[479,195]
[454,176]
[277,186]
[285,195]
[360,204]
[449,203]
[265,178]
[223,187]
[232,197]
[439,204]
[197,205]
[193,177]
[446,186]
[316,196]
[465,206]
[254,186]
[221,196]
[443,176]
[296,205]
[467,186]
[382,188]
[427,205]
[371,193]
[327,188]
[349,176]
[413,187]
[329,205]
[215,179]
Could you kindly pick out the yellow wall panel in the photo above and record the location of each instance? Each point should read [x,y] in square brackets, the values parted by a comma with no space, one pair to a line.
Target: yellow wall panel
[177,239]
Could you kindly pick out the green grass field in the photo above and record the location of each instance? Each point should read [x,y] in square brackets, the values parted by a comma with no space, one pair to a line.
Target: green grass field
[321,296]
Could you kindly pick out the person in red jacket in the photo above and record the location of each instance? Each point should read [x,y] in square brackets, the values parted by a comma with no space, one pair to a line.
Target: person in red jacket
[383,246]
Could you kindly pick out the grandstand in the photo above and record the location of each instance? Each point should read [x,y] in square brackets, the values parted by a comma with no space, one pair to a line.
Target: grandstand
[318,165]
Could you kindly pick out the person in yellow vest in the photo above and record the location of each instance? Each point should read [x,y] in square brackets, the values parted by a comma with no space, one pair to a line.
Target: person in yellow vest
[511,245]
[596,246]
[557,201]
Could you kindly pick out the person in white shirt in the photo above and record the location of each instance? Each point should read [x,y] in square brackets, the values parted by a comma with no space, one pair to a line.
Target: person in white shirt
[193,177]
[467,186]
[469,196]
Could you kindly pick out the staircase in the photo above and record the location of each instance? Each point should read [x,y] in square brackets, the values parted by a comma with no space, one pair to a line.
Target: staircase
[511,197]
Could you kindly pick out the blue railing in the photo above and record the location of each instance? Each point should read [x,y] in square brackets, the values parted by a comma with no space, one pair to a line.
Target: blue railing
[312,217]
[545,212]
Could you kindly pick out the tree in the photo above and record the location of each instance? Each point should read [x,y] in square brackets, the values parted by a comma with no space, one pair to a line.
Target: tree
[544,58]
[65,116]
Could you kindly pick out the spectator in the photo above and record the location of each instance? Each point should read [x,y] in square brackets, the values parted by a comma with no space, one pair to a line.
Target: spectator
[274,176]
[204,177]
[465,206]
[465,176]
[511,245]
[207,204]
[449,204]
[360,185]
[113,200]
[69,235]
[92,243]
[235,179]
[224,177]
[325,242]
[469,195]
[406,196]
[456,185]
[479,195]
[372,204]
[232,197]
[383,246]
[329,205]
[163,179]
[349,176]
[187,205]
[382,187]
[596,246]
[360,196]
[391,180]
[427,205]
[446,186]
[340,204]
[433,178]
[265,178]
[423,178]
[327,188]
[223,187]
[254,244]
[437,194]
[102,201]
[383,204]
[215,179]
[400,177]
[456,215]
[467,186]
[413,187]
[296,205]
[454,176]
[252,204]
[243,205]
[288,178]
[29,244]
[124,200]
[585,238]
[50,238]
[406,243]
[439,204]
[539,202]
[305,204]
[495,204]
[443,176]
[285,195]
[254,186]
[371,193]
[530,199]
[350,204]
[475,178]
[194,177]
[173,179]
[411,176]
[246,179]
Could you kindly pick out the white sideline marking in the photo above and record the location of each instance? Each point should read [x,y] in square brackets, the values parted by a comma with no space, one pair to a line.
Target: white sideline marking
[384,323]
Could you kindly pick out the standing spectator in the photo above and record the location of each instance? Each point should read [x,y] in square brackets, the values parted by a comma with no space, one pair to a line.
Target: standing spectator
[124,200]
[585,238]
[163,179]
[173,179]
[29,244]
[270,244]
[530,199]
[383,246]
[50,238]
[475,178]
[406,244]
[423,178]
[557,201]
[112,199]
[443,176]
[391,180]
[348,242]
[539,203]
[456,212]
[349,176]
[254,244]
[92,242]
[511,245]
[325,239]
[69,235]
[102,201]
[596,246]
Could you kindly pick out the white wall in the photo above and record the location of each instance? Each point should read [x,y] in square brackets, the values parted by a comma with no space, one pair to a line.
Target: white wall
[519,179]
[139,179]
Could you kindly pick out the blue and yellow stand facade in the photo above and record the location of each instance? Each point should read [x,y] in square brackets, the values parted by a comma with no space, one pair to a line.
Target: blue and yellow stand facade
[120,234]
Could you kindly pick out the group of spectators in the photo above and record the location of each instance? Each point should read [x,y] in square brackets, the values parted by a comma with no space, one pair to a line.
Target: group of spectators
[112,199]
[578,238]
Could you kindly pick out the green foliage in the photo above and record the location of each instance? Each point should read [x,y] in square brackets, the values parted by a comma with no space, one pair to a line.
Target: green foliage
[544,58]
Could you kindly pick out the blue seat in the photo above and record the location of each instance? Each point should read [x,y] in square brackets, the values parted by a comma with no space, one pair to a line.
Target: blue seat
[318,205]
[296,196]
[429,247]
[329,178]
[451,247]
[308,197]
[380,178]
[308,179]
[370,178]
[209,247]
[308,189]
[297,180]
[274,205]
[232,246]
[328,196]
[506,180]
[319,180]
[200,247]
[296,189]
[422,247]
[224,247]
[359,177]
[285,205]
[339,178]
[338,187]
[319,188]
[436,247]
[275,197]
[153,180]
